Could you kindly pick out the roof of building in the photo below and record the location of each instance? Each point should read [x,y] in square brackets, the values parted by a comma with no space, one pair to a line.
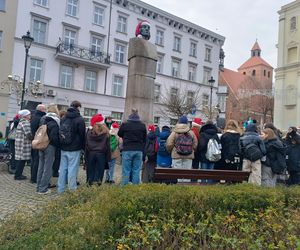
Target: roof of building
[254,61]
[256,46]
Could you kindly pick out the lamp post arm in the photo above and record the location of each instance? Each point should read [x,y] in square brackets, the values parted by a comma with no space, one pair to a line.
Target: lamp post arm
[24,78]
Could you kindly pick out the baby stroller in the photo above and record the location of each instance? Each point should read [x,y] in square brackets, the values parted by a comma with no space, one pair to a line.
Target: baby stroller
[5,155]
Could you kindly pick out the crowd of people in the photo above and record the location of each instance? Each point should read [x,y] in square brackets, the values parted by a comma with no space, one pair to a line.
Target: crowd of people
[54,142]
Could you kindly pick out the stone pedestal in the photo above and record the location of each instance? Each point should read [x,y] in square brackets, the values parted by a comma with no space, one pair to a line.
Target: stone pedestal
[142,57]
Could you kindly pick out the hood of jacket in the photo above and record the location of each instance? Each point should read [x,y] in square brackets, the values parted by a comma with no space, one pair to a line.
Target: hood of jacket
[54,117]
[151,135]
[91,135]
[209,129]
[250,133]
[72,113]
[276,143]
[181,128]
[39,113]
[164,134]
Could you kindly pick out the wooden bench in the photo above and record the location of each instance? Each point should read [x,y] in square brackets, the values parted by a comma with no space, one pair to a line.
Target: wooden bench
[161,174]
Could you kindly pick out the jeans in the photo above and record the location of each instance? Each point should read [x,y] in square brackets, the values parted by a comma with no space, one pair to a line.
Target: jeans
[68,170]
[12,150]
[95,167]
[46,159]
[208,166]
[34,164]
[110,172]
[131,166]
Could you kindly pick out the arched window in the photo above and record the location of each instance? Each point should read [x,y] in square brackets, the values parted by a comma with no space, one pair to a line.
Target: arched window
[253,72]
[293,24]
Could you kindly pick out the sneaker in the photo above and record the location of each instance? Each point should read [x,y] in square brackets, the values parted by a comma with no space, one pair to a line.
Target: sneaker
[51,186]
[20,178]
[47,192]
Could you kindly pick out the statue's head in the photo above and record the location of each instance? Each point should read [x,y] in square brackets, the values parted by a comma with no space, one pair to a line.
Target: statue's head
[143,30]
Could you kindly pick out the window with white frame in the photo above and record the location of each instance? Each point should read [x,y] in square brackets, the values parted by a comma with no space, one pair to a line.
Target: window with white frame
[36,67]
[99,14]
[160,62]
[156,120]
[177,43]
[117,87]
[117,116]
[293,23]
[190,97]
[2,5]
[174,92]
[69,36]
[120,50]
[72,7]
[66,76]
[175,68]
[88,113]
[156,93]
[193,49]
[90,80]
[205,100]
[39,30]
[159,39]
[43,3]
[96,45]
[207,54]
[122,24]
[1,39]
[192,72]
[206,75]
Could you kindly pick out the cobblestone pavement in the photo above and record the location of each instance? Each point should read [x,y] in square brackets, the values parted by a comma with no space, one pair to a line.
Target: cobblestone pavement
[15,195]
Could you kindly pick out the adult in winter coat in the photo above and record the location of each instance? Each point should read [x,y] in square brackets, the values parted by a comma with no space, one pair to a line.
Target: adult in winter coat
[277,132]
[47,156]
[97,150]
[34,124]
[254,167]
[274,147]
[182,143]
[11,142]
[164,158]
[134,133]
[207,132]
[115,152]
[196,126]
[149,156]
[231,149]
[72,141]
[23,143]
[292,140]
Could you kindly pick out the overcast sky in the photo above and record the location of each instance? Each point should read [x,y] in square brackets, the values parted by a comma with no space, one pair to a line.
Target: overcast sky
[240,21]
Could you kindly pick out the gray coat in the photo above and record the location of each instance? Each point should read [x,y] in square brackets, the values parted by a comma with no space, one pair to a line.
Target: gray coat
[23,140]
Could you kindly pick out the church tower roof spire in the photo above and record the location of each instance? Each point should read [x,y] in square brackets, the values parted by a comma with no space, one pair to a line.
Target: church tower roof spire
[255,51]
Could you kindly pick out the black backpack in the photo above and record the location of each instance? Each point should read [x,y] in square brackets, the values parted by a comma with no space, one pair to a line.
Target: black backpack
[150,149]
[162,148]
[278,165]
[66,132]
[184,144]
[252,152]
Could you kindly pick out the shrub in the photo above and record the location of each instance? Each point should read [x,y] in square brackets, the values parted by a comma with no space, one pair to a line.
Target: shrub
[161,217]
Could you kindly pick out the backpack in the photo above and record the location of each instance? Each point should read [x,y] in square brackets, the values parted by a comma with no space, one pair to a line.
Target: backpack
[252,152]
[213,152]
[41,139]
[113,143]
[184,144]
[278,165]
[66,132]
[162,148]
[150,149]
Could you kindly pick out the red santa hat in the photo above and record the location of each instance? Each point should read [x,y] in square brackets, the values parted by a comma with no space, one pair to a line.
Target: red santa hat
[151,128]
[98,118]
[115,125]
[197,122]
[137,30]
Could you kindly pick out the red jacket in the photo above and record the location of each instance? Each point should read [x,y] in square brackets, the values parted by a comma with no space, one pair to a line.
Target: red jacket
[196,132]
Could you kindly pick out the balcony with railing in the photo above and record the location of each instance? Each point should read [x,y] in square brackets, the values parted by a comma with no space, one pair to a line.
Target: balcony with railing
[84,56]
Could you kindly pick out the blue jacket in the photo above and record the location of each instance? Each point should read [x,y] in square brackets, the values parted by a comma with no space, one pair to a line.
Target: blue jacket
[164,161]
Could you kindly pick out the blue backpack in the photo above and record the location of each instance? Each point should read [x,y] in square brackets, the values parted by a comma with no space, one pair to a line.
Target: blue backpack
[162,149]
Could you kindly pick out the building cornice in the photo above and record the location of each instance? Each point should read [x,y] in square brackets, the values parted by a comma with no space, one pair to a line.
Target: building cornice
[288,67]
[160,16]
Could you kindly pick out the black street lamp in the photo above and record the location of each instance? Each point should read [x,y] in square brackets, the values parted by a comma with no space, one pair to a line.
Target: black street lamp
[27,43]
[211,82]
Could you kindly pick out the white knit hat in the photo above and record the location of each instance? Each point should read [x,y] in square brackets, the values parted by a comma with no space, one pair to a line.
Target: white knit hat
[24,112]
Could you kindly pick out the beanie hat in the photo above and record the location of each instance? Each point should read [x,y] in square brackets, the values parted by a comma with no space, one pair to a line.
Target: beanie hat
[197,122]
[97,118]
[134,116]
[23,112]
[183,119]
[151,128]
[137,30]
[115,125]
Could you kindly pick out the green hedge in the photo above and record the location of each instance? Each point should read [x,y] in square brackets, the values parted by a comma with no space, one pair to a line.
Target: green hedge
[161,217]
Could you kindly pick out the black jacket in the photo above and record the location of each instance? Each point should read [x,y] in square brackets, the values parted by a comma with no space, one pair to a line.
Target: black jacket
[230,142]
[293,153]
[134,135]
[52,131]
[273,147]
[151,138]
[35,121]
[78,130]
[208,131]
[253,137]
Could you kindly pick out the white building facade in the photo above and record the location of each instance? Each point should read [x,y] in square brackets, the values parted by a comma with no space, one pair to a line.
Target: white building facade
[80,53]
